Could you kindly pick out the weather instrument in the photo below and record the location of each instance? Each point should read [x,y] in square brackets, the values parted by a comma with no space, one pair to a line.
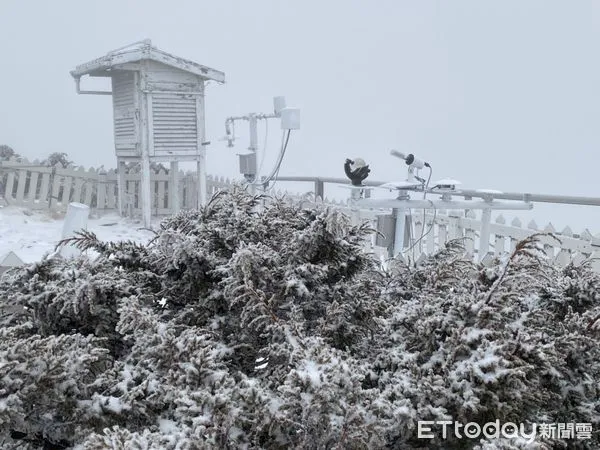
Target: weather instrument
[445,188]
[249,166]
[356,170]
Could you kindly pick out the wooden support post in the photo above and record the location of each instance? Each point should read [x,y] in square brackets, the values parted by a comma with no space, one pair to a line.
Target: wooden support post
[174,187]
[201,177]
[146,195]
[121,185]
[201,162]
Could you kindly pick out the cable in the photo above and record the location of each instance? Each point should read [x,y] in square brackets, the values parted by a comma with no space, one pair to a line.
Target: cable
[428,180]
[423,233]
[275,171]
[279,166]
[410,231]
[424,210]
[262,158]
[430,226]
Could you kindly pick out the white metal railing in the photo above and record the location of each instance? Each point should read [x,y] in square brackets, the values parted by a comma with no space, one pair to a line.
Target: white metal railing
[467,225]
[33,185]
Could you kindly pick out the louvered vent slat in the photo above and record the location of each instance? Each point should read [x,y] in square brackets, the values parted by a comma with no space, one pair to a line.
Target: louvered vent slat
[123,86]
[174,123]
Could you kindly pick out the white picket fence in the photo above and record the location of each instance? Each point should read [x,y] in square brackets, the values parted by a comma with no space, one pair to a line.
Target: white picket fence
[565,247]
[35,186]
[429,235]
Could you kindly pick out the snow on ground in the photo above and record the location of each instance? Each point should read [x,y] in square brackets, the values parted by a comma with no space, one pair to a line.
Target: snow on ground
[32,234]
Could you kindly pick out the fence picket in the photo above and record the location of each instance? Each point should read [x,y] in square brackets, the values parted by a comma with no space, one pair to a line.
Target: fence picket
[430,231]
[78,185]
[499,240]
[45,189]
[516,223]
[595,256]
[549,248]
[66,193]
[101,191]
[455,230]
[38,186]
[19,198]
[470,234]
[33,182]
[564,255]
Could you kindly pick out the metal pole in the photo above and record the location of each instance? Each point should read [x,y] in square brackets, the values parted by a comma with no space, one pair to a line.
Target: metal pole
[484,237]
[400,214]
[355,195]
[253,124]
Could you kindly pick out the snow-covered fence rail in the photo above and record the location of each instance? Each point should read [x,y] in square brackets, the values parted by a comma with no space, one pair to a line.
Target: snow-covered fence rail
[33,185]
[570,246]
[428,235]
[36,186]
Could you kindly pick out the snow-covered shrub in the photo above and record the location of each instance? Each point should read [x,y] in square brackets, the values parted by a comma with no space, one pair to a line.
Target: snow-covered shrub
[237,327]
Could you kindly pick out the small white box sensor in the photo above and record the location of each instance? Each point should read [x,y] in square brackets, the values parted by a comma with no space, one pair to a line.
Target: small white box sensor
[290,119]
[278,105]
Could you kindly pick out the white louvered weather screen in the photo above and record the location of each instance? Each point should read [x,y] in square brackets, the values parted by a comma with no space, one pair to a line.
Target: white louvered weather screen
[125,117]
[174,128]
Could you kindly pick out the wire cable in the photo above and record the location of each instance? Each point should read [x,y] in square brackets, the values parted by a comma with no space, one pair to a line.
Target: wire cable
[423,233]
[279,165]
[430,226]
[264,152]
[424,210]
[410,231]
[284,143]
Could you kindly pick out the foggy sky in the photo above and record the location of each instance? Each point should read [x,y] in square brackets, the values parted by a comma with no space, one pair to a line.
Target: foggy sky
[500,95]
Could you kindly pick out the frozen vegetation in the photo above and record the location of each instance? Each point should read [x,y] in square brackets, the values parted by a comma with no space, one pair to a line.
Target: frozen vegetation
[233,328]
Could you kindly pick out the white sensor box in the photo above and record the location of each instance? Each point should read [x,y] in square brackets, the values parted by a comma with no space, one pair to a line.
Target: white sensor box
[290,119]
[278,105]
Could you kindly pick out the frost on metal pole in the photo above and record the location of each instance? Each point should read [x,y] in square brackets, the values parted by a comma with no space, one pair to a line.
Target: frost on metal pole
[76,220]
[158,112]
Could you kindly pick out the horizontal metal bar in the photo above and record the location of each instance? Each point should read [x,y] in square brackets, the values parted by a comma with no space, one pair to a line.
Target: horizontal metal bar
[95,92]
[327,180]
[440,204]
[537,198]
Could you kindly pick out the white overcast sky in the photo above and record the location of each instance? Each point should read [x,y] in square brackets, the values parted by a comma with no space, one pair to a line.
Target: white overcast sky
[500,95]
